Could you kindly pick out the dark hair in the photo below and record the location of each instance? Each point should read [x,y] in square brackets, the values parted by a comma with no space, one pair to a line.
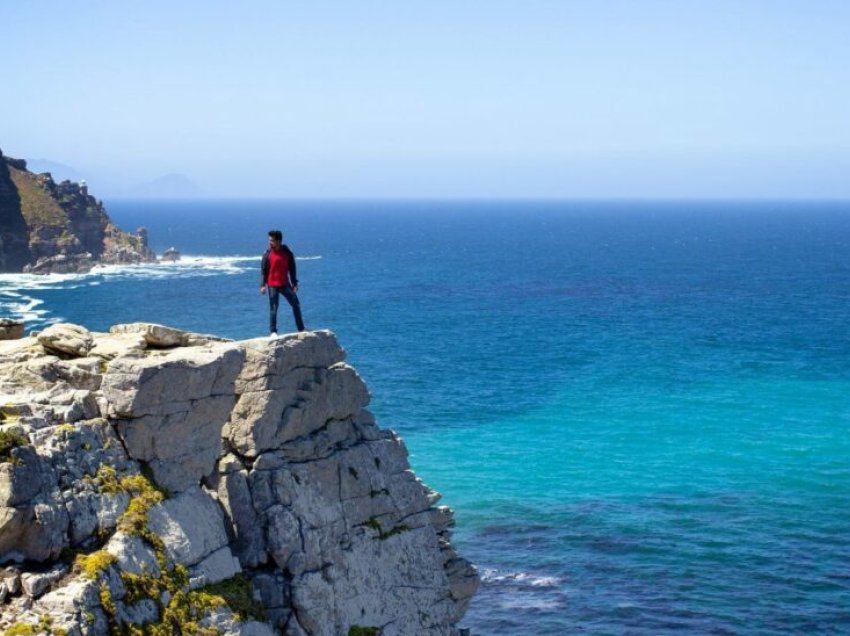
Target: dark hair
[276,235]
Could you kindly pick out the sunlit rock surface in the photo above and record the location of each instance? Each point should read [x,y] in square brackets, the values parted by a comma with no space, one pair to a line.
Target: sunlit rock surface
[149,476]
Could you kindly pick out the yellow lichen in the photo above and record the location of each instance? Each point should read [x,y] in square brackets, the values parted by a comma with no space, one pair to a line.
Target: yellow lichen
[135,518]
[106,480]
[44,626]
[139,586]
[9,413]
[91,565]
[20,629]
[186,608]
[45,622]
[106,600]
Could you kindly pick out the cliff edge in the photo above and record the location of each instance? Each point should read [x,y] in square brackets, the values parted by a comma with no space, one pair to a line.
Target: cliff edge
[58,227]
[154,481]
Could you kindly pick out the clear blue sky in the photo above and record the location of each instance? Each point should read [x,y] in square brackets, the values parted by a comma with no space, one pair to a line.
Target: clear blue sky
[677,98]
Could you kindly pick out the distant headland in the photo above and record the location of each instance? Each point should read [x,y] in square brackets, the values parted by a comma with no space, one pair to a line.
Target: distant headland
[48,227]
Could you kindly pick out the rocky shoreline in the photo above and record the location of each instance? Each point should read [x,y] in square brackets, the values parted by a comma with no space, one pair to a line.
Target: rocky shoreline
[48,227]
[152,478]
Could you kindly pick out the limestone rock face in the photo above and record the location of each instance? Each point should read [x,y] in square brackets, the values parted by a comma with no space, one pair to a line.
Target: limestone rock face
[194,477]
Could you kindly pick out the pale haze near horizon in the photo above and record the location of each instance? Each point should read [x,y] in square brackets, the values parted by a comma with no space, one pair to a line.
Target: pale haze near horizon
[436,99]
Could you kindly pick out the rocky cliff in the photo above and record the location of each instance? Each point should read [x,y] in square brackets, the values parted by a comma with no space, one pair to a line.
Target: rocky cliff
[49,227]
[154,481]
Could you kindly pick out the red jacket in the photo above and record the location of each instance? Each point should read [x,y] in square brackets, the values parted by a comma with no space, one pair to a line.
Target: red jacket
[265,266]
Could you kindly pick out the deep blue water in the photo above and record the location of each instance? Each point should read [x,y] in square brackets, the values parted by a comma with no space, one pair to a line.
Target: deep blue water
[639,411]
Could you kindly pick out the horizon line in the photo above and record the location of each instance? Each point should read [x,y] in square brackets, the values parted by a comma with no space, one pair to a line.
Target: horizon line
[488,199]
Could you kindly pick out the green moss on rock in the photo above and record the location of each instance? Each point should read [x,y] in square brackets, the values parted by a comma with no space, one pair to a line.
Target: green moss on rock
[9,439]
[375,525]
[238,594]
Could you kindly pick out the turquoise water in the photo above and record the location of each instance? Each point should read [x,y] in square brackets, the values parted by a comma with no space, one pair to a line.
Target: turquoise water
[639,411]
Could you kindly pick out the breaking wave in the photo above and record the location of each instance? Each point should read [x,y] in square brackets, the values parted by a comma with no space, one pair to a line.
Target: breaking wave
[519,579]
[19,303]
[523,591]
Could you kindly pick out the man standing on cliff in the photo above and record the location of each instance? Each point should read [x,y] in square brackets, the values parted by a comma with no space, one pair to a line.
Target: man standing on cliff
[279,277]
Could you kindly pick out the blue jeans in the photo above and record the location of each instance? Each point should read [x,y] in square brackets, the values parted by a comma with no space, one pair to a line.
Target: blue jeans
[292,299]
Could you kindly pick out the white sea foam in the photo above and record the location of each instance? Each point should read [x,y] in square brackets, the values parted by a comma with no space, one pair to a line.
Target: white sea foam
[526,601]
[525,591]
[23,308]
[519,578]
[187,266]
[16,303]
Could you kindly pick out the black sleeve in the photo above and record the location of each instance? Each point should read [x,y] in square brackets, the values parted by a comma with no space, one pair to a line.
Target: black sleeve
[264,269]
[293,271]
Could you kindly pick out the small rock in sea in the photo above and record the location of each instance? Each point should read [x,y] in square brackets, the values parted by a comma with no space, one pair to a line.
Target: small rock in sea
[170,255]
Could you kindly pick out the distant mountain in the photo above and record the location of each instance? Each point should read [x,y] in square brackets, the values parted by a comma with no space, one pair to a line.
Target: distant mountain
[59,171]
[176,186]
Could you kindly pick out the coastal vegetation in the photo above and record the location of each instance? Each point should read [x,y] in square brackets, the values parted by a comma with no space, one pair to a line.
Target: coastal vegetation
[9,439]
[38,205]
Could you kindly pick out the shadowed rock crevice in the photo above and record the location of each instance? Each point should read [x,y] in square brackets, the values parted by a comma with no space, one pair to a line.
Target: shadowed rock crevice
[240,485]
[14,237]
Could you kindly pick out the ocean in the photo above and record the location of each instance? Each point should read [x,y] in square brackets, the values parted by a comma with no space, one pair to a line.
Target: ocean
[640,411]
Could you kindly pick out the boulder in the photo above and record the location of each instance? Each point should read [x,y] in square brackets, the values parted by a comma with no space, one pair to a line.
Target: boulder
[36,583]
[110,346]
[170,255]
[155,335]
[11,329]
[66,339]
[11,578]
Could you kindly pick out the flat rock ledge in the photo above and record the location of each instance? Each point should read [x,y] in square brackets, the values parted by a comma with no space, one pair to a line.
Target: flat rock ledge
[157,481]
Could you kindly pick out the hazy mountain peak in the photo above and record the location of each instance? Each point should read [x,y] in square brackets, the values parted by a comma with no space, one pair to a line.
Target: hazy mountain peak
[59,171]
[172,185]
